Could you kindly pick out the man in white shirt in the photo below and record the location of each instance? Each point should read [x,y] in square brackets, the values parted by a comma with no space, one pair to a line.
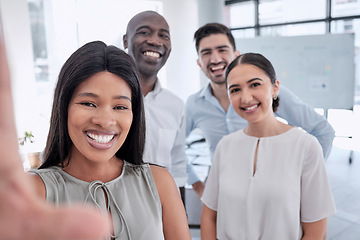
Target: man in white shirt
[148,41]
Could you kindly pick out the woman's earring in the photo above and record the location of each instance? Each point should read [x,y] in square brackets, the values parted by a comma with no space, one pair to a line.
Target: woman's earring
[275,97]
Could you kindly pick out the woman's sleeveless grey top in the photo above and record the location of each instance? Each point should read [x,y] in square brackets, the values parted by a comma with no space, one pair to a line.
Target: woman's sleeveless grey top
[132,199]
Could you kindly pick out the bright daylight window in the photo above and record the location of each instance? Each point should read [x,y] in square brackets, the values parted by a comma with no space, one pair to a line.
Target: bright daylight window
[293,18]
[241,14]
[340,8]
[59,27]
[37,21]
[282,11]
[351,26]
[294,29]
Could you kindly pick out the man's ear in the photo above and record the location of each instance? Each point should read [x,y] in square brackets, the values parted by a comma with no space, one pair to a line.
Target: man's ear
[237,53]
[198,63]
[125,41]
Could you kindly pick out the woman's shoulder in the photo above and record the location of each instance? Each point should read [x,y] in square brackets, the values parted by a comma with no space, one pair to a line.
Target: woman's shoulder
[307,143]
[162,178]
[52,174]
[39,184]
[156,172]
[159,171]
[144,167]
[46,172]
[154,168]
[301,134]
[233,137]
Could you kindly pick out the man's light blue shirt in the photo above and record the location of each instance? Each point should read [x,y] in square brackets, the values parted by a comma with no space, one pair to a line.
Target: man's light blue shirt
[204,111]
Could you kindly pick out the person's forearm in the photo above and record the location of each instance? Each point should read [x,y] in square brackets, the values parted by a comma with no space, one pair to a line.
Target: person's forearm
[199,187]
[314,230]
[208,231]
[313,238]
[208,224]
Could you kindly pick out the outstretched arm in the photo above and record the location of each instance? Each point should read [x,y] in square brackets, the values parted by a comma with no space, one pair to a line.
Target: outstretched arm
[22,214]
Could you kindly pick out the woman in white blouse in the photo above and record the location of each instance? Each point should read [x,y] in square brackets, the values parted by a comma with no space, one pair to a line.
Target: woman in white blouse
[267,181]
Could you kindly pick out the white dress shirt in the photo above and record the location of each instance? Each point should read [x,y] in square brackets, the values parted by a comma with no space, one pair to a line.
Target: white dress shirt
[165,132]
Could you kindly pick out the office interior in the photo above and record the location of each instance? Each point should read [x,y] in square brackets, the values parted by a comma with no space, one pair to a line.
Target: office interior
[41,34]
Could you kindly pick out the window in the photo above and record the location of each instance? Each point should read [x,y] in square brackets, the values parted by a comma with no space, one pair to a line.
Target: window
[351,26]
[241,14]
[293,18]
[59,27]
[282,11]
[244,33]
[41,64]
[341,8]
[294,29]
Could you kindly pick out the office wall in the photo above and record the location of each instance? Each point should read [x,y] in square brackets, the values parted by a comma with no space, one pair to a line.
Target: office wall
[182,72]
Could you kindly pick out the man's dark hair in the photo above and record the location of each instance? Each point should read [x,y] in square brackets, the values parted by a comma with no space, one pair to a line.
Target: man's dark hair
[213,28]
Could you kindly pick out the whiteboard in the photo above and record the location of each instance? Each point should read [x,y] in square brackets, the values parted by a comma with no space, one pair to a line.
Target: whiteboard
[320,69]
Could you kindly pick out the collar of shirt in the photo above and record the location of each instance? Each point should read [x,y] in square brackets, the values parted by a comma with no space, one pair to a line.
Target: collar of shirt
[206,92]
[155,91]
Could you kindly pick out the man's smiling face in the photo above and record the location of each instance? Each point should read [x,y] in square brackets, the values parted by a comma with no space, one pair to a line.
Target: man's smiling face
[215,54]
[148,41]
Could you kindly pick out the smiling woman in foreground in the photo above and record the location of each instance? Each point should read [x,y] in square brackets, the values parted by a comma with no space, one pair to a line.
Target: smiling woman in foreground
[93,158]
[95,146]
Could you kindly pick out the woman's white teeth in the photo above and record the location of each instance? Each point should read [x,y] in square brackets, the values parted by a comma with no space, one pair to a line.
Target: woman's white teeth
[152,54]
[251,108]
[101,138]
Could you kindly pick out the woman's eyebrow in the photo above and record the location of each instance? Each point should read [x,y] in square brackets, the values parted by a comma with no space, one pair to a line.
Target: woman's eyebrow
[122,97]
[249,81]
[89,94]
[233,85]
[254,79]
